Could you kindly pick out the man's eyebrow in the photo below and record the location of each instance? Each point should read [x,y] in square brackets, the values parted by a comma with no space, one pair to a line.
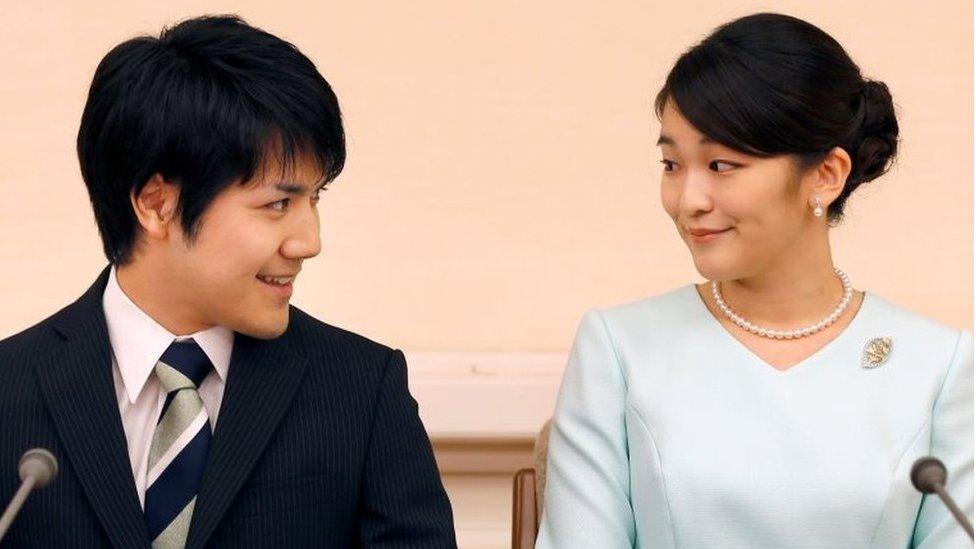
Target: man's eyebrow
[295,188]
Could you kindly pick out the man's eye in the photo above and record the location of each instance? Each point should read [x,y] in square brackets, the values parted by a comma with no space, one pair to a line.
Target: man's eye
[318,193]
[721,166]
[284,205]
[669,165]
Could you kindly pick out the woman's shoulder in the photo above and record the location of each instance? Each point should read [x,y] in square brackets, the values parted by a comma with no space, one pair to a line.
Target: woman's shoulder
[921,330]
[678,308]
[680,313]
[930,349]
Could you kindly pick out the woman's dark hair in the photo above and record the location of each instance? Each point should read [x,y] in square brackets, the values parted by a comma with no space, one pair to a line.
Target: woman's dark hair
[210,102]
[770,84]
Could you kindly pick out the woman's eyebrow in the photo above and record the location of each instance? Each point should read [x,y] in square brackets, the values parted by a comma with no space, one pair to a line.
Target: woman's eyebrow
[666,140]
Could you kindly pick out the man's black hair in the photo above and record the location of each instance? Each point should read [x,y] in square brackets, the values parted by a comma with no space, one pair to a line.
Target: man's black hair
[208,103]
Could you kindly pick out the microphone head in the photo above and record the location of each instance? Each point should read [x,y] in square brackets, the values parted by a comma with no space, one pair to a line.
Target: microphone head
[40,464]
[928,474]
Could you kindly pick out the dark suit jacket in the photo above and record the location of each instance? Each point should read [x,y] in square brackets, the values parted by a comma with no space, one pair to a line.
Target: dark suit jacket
[318,442]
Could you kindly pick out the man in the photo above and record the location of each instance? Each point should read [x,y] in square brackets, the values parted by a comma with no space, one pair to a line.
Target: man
[188,403]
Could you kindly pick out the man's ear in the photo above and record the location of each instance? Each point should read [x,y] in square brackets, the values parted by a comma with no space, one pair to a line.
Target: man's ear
[154,206]
[831,175]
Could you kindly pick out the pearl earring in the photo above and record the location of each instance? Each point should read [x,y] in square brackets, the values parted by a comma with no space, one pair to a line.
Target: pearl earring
[818,211]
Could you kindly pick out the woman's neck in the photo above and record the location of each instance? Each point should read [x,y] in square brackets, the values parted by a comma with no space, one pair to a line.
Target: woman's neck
[794,291]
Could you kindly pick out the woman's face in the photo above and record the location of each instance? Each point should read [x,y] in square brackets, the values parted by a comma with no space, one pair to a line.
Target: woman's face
[738,214]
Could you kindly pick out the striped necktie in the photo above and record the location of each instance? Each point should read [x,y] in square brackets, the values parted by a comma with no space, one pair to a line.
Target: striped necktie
[178,452]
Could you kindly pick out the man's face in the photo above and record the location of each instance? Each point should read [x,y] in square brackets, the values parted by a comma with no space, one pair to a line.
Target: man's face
[246,234]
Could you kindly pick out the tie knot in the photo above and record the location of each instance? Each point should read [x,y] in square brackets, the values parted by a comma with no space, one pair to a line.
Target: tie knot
[184,365]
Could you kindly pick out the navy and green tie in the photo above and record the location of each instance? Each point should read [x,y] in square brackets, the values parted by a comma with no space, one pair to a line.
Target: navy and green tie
[178,452]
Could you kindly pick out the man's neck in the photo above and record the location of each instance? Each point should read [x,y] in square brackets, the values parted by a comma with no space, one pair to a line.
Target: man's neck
[151,291]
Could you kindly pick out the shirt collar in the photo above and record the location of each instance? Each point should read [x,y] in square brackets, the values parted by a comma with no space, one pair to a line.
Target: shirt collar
[138,341]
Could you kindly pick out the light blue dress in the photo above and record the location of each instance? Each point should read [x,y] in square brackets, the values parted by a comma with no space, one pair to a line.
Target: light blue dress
[669,433]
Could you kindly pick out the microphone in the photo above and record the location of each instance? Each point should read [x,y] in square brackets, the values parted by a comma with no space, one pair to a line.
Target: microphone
[37,469]
[929,476]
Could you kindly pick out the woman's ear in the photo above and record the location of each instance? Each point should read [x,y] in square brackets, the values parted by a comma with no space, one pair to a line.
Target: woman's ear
[831,175]
[154,206]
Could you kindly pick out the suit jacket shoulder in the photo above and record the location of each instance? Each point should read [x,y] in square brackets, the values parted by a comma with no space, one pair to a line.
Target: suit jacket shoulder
[30,340]
[318,341]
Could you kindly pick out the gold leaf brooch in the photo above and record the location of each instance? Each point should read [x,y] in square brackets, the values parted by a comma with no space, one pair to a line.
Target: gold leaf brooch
[876,352]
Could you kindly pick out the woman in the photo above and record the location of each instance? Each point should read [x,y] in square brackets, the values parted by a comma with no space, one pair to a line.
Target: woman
[774,406]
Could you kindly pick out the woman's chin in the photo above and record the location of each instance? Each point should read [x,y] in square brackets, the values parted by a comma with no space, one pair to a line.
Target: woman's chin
[713,268]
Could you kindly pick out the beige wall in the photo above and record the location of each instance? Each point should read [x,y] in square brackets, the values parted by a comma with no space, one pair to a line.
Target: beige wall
[502,174]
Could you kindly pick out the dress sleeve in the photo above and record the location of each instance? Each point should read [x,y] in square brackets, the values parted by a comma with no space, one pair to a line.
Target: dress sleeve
[587,493]
[952,442]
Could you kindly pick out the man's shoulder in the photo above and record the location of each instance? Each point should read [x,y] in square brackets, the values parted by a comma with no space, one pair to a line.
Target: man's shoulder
[34,340]
[320,341]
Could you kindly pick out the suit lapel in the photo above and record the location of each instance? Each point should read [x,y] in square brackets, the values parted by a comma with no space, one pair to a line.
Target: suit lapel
[77,384]
[262,380]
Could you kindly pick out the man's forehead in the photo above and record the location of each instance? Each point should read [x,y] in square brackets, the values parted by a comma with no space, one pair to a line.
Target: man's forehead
[277,174]
[292,184]
[275,166]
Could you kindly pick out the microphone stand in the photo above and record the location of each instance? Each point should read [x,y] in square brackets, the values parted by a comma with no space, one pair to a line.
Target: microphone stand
[929,476]
[37,469]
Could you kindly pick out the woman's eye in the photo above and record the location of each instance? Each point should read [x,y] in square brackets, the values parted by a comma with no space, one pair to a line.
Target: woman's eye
[721,166]
[669,165]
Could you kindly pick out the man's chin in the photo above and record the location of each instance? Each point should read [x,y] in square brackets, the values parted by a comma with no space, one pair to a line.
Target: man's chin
[269,330]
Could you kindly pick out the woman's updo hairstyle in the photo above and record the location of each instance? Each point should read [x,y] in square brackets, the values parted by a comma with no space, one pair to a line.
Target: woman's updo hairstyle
[770,84]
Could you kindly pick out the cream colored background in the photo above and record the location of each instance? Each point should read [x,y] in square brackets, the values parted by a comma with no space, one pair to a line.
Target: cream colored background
[502,178]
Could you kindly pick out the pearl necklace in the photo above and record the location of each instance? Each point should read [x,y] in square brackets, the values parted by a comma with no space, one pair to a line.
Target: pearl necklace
[788,334]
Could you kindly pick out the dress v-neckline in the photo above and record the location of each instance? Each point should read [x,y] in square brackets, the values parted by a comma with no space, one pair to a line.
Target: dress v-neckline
[756,360]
